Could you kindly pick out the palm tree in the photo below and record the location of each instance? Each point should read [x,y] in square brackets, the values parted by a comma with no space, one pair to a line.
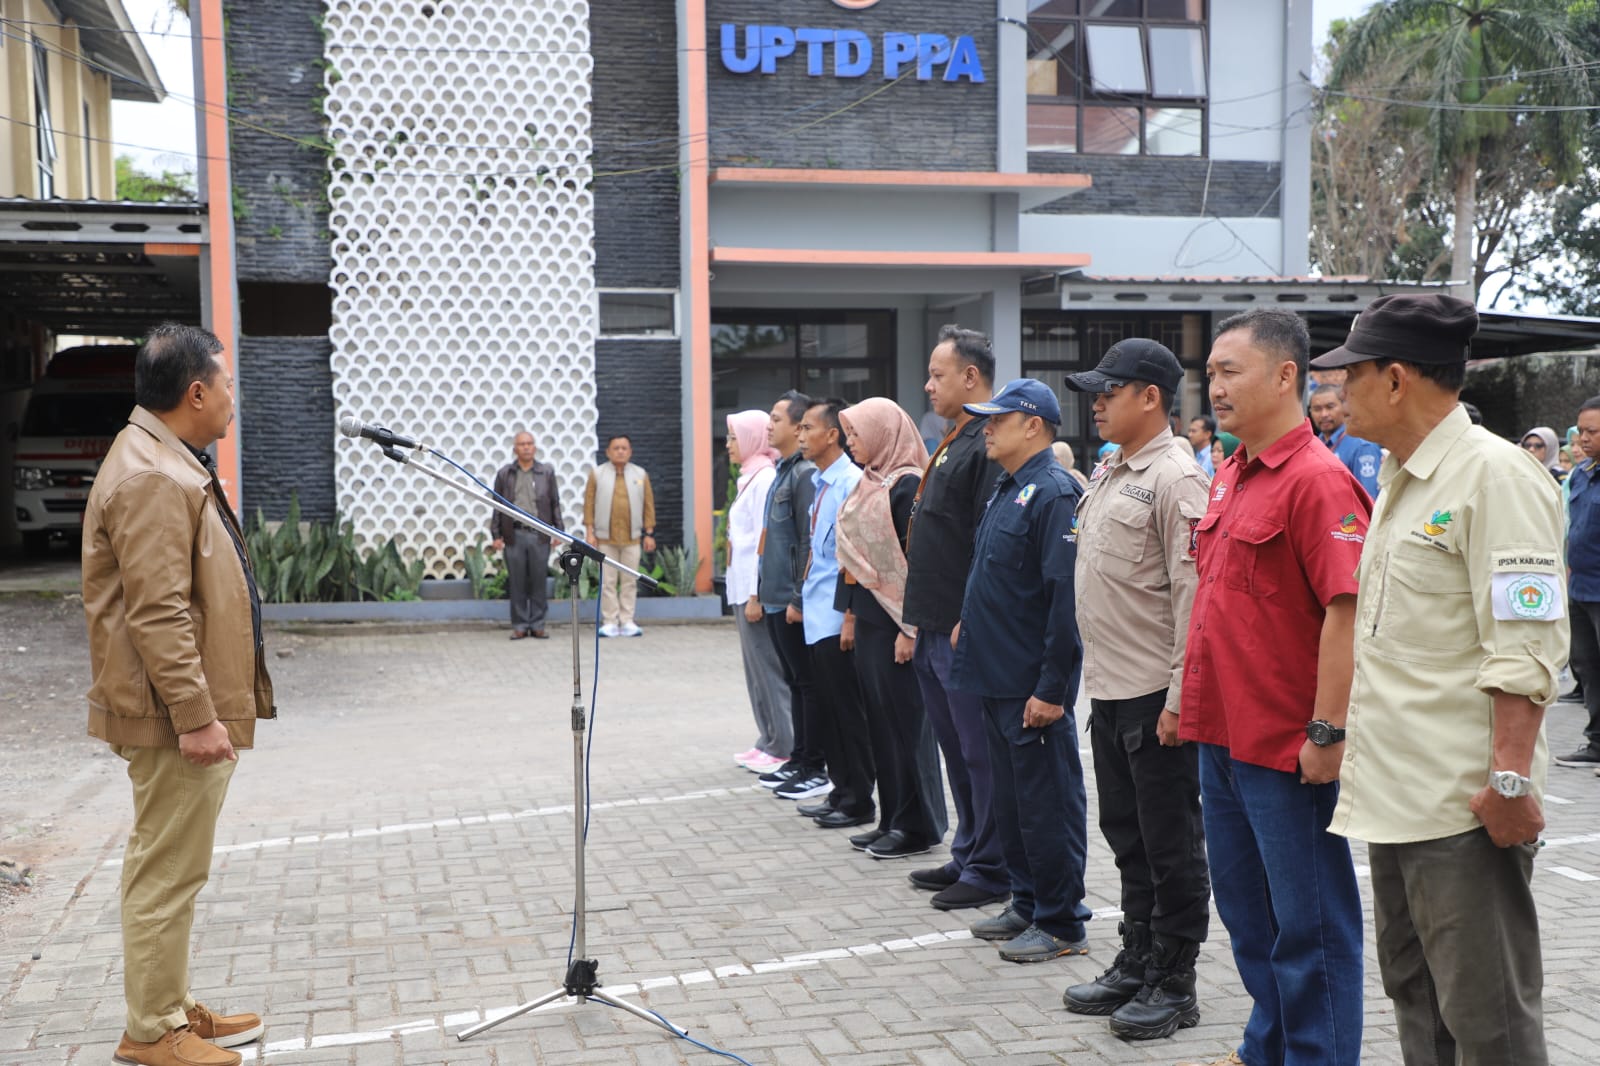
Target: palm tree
[1480,73]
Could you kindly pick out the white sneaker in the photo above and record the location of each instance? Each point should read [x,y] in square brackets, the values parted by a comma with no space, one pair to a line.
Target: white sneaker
[628,629]
[610,631]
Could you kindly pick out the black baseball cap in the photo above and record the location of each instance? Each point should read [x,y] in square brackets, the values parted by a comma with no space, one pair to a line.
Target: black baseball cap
[1431,330]
[1134,359]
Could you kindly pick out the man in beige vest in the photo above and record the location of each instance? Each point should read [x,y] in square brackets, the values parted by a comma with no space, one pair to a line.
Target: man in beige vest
[619,515]
[179,677]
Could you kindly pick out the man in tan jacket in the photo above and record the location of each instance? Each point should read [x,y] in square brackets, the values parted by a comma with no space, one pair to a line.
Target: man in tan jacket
[619,517]
[179,677]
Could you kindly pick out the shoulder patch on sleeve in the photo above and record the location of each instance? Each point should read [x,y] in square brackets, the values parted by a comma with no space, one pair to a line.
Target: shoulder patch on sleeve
[1528,597]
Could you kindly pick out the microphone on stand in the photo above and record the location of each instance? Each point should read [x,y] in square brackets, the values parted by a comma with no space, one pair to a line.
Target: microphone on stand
[351,426]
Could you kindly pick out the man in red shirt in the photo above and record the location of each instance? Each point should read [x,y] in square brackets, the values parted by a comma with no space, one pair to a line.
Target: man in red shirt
[1266,684]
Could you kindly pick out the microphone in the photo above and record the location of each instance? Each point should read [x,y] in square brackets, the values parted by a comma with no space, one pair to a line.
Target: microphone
[351,426]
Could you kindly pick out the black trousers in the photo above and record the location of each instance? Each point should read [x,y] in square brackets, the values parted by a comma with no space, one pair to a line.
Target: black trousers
[899,732]
[527,557]
[1150,815]
[843,724]
[790,640]
[1585,617]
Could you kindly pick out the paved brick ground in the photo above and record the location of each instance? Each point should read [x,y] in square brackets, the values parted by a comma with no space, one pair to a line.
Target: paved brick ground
[395,859]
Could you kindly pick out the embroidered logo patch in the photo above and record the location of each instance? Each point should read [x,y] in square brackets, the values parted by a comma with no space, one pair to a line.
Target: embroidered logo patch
[1528,598]
[944,457]
[1348,529]
[1072,534]
[1220,491]
[1026,494]
[1434,526]
[1194,537]
[1369,466]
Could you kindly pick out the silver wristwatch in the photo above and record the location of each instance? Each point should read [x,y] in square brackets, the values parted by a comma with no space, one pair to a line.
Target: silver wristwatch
[1510,784]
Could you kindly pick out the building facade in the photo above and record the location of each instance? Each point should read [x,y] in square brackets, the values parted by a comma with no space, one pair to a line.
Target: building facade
[586,219]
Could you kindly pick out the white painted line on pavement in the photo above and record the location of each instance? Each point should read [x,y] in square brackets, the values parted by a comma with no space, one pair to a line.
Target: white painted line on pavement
[462,1019]
[1575,875]
[310,839]
[1559,801]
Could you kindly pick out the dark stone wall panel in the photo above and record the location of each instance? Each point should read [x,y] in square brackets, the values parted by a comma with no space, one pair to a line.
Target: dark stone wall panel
[1158,185]
[640,388]
[286,418]
[792,119]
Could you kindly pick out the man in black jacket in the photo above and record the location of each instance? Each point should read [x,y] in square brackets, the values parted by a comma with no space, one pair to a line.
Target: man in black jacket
[531,485]
[957,484]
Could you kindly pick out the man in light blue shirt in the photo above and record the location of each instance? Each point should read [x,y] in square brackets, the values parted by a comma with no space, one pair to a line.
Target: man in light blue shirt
[845,743]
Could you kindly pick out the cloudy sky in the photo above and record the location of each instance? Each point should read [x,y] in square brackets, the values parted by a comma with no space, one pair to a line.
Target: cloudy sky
[161,136]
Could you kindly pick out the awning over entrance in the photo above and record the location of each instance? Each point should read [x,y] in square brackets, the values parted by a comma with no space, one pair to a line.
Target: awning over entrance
[100,269]
[1328,304]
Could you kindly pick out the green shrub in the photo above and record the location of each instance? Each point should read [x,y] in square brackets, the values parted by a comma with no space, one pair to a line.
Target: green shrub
[321,564]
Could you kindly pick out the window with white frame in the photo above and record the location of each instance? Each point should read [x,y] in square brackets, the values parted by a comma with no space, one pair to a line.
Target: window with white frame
[41,121]
[1117,77]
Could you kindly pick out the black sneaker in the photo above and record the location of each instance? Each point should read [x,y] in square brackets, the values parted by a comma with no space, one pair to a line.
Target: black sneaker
[804,786]
[774,778]
[1588,755]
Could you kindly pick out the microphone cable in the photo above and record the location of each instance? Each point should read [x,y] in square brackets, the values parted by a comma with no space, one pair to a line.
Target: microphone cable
[588,758]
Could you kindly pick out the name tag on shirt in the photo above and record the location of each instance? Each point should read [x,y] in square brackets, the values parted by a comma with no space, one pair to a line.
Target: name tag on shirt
[1140,493]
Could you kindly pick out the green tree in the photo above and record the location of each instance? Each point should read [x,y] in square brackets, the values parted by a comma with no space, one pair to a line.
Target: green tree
[1478,80]
[170,186]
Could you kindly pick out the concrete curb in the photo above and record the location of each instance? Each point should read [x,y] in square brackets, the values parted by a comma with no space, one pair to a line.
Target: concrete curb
[648,609]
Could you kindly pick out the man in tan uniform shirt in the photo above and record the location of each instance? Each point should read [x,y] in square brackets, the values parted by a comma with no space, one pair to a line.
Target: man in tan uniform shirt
[1135,582]
[1461,631]
[619,514]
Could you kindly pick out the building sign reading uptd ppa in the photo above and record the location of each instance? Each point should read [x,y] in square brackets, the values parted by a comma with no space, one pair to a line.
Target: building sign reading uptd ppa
[850,53]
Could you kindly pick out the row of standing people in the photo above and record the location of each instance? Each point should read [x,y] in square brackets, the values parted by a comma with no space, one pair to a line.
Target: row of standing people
[1407,652]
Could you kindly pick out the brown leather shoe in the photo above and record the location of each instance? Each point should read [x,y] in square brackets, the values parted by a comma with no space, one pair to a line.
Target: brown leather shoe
[539,634]
[224,1030]
[179,1047]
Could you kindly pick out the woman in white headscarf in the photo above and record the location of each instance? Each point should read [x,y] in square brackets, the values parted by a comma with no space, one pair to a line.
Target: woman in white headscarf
[763,673]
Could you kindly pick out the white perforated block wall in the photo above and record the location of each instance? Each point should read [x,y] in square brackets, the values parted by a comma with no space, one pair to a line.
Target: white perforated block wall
[462,235]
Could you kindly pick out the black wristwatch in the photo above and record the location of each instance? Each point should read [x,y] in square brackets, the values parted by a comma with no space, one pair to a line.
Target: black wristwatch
[1323,733]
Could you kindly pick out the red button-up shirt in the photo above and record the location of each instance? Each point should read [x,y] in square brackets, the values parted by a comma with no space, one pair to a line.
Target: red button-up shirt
[1280,539]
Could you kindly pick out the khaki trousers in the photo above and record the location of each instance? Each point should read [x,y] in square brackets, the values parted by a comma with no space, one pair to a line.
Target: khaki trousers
[618,591]
[1458,945]
[167,862]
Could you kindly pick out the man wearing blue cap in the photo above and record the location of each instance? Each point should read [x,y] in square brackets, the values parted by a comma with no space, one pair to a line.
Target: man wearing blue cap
[1017,647]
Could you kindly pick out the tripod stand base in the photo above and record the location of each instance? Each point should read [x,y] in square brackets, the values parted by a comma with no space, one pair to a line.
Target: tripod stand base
[582,985]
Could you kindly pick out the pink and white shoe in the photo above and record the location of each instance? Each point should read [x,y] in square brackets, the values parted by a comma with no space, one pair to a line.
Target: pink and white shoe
[764,763]
[745,756]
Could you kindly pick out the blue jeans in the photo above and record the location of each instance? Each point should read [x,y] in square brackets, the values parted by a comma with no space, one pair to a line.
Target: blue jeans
[1286,890]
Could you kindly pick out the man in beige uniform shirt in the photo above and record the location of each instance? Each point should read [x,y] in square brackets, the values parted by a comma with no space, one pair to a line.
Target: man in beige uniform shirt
[619,514]
[1461,631]
[1135,582]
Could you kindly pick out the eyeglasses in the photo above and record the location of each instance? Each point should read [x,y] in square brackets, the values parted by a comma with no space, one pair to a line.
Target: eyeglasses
[1529,445]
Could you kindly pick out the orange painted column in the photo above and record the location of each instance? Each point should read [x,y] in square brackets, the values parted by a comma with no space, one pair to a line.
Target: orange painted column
[697,286]
[220,304]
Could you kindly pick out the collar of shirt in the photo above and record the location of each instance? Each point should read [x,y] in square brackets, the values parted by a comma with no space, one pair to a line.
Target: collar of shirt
[1332,439]
[836,473]
[1432,451]
[1026,471]
[1280,451]
[1141,459]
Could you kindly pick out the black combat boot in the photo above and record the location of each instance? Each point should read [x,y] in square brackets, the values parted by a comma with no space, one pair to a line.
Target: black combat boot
[1166,1003]
[1119,984]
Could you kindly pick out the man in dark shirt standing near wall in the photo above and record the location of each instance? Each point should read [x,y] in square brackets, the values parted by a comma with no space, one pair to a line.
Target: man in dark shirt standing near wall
[1017,647]
[530,485]
[957,484]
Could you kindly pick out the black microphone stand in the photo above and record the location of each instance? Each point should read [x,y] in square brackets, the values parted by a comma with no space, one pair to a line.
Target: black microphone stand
[582,981]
